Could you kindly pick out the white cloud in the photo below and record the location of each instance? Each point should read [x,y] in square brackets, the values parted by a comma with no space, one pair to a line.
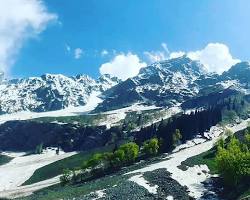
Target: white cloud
[216,57]
[104,52]
[165,47]
[123,66]
[78,53]
[155,56]
[176,54]
[20,20]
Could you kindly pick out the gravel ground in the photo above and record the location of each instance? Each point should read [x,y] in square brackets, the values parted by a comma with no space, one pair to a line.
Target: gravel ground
[127,190]
[124,191]
[166,185]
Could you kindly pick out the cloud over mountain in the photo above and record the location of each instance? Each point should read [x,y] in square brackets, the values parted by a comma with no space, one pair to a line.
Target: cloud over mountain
[216,57]
[123,66]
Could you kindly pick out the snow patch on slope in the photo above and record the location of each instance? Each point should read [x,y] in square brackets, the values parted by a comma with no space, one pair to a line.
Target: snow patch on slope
[91,103]
[193,177]
[133,108]
[21,168]
[100,194]
[139,179]
[113,119]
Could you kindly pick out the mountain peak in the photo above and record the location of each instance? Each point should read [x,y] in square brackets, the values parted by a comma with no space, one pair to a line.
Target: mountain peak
[240,66]
[108,77]
[184,63]
[107,81]
[168,68]
[162,83]
[239,71]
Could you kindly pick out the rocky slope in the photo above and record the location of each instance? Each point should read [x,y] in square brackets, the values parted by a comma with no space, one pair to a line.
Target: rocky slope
[50,92]
[173,82]
[238,72]
[162,83]
[26,135]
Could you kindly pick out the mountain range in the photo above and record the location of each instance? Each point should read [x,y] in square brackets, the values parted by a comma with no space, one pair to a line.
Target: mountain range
[172,82]
[50,92]
[165,83]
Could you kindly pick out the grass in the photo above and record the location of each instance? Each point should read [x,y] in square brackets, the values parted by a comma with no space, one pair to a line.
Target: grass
[136,119]
[81,119]
[94,120]
[206,158]
[56,168]
[75,191]
[78,191]
[4,159]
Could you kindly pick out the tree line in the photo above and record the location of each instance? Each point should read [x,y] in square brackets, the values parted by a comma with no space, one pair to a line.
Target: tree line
[189,125]
[149,141]
[104,163]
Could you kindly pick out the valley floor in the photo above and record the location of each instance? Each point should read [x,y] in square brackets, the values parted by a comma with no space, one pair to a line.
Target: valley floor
[20,169]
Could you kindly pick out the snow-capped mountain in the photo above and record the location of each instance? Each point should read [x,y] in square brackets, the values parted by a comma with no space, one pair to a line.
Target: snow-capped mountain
[50,92]
[172,82]
[239,72]
[163,83]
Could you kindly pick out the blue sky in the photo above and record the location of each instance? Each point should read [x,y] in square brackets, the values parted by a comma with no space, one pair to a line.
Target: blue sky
[135,26]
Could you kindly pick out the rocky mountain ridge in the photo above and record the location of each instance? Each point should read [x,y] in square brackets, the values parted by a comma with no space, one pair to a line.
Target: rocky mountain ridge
[50,92]
[165,83]
[172,82]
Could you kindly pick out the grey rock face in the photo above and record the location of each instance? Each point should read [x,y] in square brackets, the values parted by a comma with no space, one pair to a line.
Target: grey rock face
[50,92]
[172,82]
